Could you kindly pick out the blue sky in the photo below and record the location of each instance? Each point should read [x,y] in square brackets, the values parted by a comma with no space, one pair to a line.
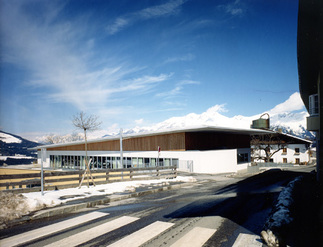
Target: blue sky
[141,62]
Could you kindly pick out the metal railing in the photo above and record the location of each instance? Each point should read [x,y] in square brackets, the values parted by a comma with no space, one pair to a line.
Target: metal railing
[31,182]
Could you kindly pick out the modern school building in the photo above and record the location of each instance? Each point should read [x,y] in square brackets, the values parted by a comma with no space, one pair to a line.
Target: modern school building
[200,150]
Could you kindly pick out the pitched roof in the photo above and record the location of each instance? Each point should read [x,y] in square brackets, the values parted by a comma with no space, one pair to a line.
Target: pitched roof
[163,132]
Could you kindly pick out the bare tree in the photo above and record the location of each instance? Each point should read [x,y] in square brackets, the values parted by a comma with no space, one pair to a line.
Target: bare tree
[265,146]
[86,123]
[53,139]
[75,137]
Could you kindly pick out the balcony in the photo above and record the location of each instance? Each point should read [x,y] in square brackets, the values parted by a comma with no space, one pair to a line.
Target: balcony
[313,123]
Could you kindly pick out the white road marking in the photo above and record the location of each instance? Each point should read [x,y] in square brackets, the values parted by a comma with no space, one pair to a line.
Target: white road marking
[245,239]
[165,198]
[93,232]
[50,229]
[140,237]
[195,238]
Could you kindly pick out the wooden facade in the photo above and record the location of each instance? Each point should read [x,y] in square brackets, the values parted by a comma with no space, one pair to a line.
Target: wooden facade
[179,141]
[215,140]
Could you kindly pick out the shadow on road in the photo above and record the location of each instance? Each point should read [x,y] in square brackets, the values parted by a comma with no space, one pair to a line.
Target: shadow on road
[248,203]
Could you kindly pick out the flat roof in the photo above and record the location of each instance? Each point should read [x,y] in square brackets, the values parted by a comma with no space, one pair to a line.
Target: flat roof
[163,132]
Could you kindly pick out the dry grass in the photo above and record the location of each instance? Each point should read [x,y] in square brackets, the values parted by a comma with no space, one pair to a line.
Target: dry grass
[12,206]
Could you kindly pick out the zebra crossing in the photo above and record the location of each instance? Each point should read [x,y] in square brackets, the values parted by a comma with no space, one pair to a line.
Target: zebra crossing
[142,236]
[50,229]
[93,232]
[195,237]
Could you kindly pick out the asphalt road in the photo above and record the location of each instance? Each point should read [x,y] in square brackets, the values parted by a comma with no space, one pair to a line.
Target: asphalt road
[215,211]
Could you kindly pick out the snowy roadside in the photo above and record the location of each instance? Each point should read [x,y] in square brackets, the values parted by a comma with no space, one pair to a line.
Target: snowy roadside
[15,206]
[280,218]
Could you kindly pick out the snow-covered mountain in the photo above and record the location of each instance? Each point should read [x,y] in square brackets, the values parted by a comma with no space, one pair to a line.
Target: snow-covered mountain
[14,149]
[289,116]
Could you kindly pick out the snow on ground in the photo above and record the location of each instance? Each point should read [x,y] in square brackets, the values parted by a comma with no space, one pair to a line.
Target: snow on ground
[9,138]
[16,157]
[14,206]
[281,215]
[52,198]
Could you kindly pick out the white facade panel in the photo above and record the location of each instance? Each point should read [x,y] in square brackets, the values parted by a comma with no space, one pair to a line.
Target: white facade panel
[215,161]
[293,154]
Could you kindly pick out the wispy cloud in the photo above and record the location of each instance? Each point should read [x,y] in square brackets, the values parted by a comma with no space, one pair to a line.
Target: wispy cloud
[119,24]
[61,62]
[139,121]
[184,58]
[169,8]
[178,89]
[235,8]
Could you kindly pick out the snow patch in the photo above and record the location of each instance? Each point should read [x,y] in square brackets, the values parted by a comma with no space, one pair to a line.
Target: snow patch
[281,215]
[16,157]
[15,206]
[9,138]
[52,198]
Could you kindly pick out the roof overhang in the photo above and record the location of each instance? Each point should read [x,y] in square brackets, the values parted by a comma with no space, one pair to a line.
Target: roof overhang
[214,129]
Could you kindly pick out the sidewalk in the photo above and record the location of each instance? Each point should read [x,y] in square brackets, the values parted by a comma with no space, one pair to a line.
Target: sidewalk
[75,203]
[304,229]
[294,220]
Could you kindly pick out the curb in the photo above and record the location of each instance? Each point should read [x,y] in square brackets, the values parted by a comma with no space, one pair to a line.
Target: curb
[59,210]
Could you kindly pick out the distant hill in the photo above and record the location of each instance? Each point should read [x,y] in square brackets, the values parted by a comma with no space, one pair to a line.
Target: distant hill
[14,149]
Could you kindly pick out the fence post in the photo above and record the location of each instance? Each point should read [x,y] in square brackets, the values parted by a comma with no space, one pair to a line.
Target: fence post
[107,176]
[42,171]
[80,176]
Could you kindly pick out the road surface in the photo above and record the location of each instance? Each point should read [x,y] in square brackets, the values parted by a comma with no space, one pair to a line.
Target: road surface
[215,211]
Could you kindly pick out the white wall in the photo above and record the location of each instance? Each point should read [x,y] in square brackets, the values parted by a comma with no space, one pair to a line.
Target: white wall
[46,160]
[290,154]
[244,166]
[215,161]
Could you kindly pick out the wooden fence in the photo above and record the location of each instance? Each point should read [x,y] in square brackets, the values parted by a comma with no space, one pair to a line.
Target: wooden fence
[31,182]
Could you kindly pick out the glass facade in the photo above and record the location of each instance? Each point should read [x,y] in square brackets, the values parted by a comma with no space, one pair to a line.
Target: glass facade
[74,162]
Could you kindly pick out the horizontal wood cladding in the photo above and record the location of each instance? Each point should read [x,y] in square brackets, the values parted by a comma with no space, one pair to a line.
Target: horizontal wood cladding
[112,145]
[167,142]
[215,140]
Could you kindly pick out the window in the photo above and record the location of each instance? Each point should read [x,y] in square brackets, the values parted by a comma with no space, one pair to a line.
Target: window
[285,160]
[297,161]
[153,162]
[135,162]
[160,162]
[175,162]
[146,161]
[140,162]
[167,162]
[296,150]
[284,151]
[128,162]
[243,158]
[313,105]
